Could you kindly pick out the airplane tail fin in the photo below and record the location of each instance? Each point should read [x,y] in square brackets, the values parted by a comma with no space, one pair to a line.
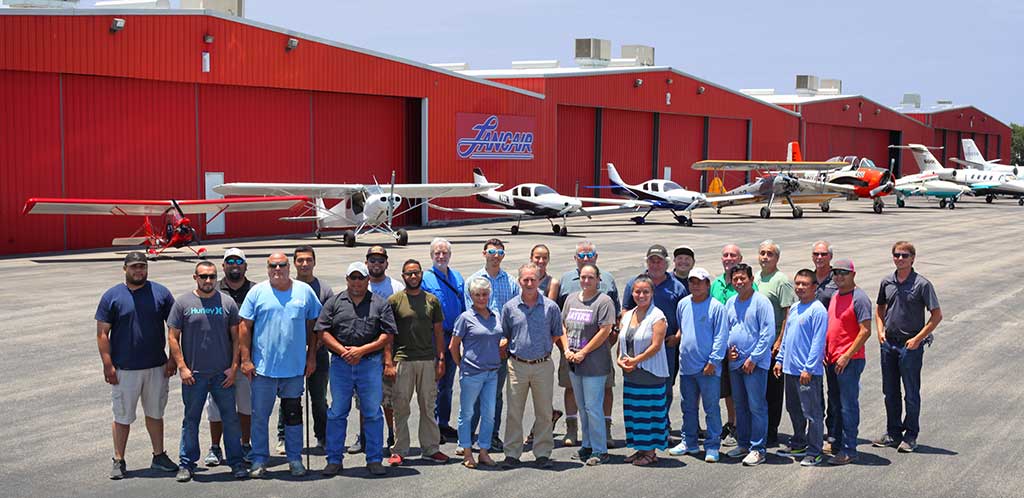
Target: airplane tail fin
[925,160]
[478,176]
[793,152]
[613,176]
[971,152]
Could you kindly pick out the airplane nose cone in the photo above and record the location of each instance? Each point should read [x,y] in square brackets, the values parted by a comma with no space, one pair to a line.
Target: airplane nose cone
[574,203]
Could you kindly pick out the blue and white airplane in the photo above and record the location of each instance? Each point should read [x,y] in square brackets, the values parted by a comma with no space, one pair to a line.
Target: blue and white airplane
[665,194]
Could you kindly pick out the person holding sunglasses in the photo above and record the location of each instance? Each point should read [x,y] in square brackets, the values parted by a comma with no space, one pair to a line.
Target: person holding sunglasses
[902,300]
[586,253]
[202,332]
[849,327]
[278,351]
[503,288]
[355,325]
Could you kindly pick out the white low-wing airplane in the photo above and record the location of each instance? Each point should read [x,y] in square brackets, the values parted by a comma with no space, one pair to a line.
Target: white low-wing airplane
[990,183]
[974,159]
[536,199]
[363,208]
[927,182]
[664,194]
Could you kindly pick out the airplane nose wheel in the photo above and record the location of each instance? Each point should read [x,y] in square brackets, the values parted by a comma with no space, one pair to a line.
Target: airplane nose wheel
[563,231]
[684,221]
[952,205]
[878,206]
[989,198]
[514,229]
[557,229]
[349,238]
[1020,202]
[318,235]
[901,203]
[825,206]
[403,237]
[766,213]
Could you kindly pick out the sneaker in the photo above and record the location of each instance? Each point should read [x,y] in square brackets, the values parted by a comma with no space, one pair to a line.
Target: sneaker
[280,447]
[246,449]
[321,443]
[460,451]
[711,456]
[738,452]
[885,441]
[681,449]
[376,469]
[240,472]
[829,447]
[543,463]
[395,460]
[164,463]
[812,461]
[598,459]
[332,469]
[215,457]
[296,468]
[184,475]
[510,463]
[496,445]
[583,454]
[792,452]
[907,446]
[841,458]
[258,471]
[729,435]
[754,458]
[117,470]
[438,457]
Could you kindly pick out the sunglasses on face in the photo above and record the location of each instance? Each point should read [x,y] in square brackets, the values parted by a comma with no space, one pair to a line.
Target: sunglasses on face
[377,260]
[208,276]
[413,273]
[276,266]
[841,272]
[586,255]
[235,261]
[495,252]
[902,255]
[357,276]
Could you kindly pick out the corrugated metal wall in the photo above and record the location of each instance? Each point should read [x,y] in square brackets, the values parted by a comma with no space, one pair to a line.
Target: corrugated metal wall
[681,143]
[727,139]
[627,141]
[575,165]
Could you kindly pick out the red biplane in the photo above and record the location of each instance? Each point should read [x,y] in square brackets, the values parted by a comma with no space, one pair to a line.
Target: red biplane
[177,230]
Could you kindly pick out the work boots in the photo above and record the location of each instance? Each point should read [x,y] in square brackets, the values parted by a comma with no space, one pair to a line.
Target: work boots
[572,432]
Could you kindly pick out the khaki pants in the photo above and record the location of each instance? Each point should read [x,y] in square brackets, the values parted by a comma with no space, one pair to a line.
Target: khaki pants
[418,376]
[523,379]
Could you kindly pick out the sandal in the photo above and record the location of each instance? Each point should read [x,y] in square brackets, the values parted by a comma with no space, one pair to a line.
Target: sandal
[645,459]
[634,456]
[469,464]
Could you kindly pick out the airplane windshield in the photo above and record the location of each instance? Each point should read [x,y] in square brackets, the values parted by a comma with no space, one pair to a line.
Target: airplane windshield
[672,186]
[543,189]
[866,163]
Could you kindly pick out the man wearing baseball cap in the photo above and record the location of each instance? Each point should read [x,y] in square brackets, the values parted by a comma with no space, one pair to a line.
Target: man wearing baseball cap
[849,327]
[702,338]
[683,259]
[667,293]
[354,325]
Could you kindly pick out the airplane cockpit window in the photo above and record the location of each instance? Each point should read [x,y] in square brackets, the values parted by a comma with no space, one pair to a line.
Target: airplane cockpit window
[835,159]
[543,189]
[672,186]
[515,191]
[358,202]
[850,159]
[655,187]
[866,163]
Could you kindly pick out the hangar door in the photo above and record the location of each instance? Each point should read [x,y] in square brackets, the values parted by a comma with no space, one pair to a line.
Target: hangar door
[824,142]
[680,144]
[575,150]
[727,140]
[627,141]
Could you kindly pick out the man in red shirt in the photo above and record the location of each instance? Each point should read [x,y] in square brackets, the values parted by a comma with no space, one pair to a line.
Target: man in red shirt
[849,327]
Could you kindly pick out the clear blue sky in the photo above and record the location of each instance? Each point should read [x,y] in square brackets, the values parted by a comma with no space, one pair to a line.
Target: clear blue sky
[969,52]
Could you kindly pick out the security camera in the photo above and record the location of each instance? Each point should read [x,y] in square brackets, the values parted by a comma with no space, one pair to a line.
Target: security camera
[292,43]
[116,25]
[638,82]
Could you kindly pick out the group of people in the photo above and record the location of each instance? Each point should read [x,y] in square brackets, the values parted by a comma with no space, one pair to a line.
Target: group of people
[759,340]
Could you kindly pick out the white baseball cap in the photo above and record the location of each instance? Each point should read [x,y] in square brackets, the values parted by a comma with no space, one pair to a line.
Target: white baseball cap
[700,273]
[234,251]
[358,267]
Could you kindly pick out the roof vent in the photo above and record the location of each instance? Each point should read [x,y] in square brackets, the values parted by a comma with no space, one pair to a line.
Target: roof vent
[755,92]
[452,66]
[593,52]
[911,101]
[943,104]
[642,54]
[538,64]
[806,85]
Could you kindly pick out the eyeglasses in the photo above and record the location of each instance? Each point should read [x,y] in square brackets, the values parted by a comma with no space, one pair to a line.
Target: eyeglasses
[235,261]
[902,255]
[357,276]
[495,252]
[587,255]
[413,273]
[841,272]
[820,254]
[276,266]
[209,276]
[377,260]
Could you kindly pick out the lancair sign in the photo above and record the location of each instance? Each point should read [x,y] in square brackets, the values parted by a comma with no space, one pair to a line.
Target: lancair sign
[489,136]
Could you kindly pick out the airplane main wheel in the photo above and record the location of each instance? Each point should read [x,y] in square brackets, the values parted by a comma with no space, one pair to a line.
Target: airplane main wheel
[349,238]
[766,213]
[688,222]
[556,229]
[563,231]
[942,203]
[798,212]
[989,198]
[825,207]
[901,203]
[318,235]
[878,206]
[1020,202]
[639,220]
[403,237]
[718,210]
[952,205]
[515,229]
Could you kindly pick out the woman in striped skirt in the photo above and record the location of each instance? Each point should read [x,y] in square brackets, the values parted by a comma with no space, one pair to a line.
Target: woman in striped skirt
[644,371]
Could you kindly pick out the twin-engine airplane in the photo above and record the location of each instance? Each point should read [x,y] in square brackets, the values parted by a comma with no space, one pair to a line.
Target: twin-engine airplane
[974,159]
[535,199]
[990,183]
[177,229]
[365,208]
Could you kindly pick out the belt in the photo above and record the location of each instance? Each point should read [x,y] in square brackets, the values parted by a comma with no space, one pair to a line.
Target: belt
[531,362]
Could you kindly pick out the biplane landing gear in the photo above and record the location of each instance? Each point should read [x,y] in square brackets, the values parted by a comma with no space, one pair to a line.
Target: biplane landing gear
[556,229]
[798,212]
[402,237]
[563,231]
[825,206]
[349,238]
[766,213]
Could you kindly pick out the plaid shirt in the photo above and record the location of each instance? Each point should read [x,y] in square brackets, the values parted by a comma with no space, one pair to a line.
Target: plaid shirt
[503,289]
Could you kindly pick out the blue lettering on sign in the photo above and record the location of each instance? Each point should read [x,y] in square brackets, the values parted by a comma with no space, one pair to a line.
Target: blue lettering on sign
[491,143]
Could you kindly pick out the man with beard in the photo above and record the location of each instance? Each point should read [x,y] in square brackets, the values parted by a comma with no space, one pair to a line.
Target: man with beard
[683,258]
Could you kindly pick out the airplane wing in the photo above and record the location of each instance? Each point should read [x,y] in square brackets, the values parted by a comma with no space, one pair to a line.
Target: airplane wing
[730,198]
[820,186]
[343,191]
[617,203]
[129,241]
[768,165]
[497,211]
[127,207]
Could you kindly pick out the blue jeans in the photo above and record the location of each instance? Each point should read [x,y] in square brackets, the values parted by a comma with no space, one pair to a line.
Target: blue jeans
[317,385]
[194,398]
[589,391]
[902,365]
[804,406]
[365,379]
[844,404]
[265,391]
[443,407]
[695,389]
[476,390]
[499,387]
[748,395]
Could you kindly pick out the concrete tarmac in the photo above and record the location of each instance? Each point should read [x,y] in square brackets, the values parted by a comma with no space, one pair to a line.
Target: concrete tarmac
[55,439]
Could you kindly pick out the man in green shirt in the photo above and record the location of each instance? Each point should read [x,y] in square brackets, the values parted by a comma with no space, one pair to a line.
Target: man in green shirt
[777,287]
[415,361]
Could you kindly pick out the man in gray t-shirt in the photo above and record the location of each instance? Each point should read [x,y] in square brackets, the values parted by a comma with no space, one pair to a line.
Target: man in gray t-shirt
[203,338]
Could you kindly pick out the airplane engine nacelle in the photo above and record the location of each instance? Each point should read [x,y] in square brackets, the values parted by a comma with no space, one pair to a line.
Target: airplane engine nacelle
[885,188]
[377,205]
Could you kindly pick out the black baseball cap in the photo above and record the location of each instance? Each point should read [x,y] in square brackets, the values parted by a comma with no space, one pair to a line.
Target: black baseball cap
[135,257]
[657,250]
[683,250]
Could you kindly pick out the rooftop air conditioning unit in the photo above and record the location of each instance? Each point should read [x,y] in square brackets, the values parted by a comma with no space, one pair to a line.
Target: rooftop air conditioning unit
[233,7]
[642,54]
[911,101]
[830,87]
[538,64]
[806,84]
[593,52]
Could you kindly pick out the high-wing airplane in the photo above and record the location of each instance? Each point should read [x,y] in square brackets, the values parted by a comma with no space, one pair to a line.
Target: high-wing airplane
[664,194]
[974,159]
[989,183]
[781,179]
[177,230]
[535,199]
[365,208]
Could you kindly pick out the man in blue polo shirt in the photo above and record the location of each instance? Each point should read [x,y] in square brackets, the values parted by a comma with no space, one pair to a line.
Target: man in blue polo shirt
[130,335]
[449,287]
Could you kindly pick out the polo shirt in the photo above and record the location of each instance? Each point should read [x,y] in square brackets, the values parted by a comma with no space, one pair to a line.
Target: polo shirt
[905,305]
[357,325]
[503,288]
[481,340]
[529,329]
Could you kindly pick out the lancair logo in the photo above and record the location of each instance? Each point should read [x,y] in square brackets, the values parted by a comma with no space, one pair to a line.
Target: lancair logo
[491,142]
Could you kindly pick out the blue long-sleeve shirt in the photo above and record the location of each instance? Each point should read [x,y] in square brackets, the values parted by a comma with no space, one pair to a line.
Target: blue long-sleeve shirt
[449,289]
[803,344]
[751,329]
[704,334]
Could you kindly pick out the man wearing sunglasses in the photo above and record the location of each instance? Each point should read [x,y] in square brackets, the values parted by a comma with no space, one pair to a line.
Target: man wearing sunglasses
[849,327]
[354,326]
[202,331]
[278,351]
[503,288]
[821,256]
[586,252]
[234,284]
[902,300]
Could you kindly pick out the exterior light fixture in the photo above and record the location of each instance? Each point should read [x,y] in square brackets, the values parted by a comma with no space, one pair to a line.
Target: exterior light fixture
[878,111]
[669,81]
[846,107]
[701,90]
[117,24]
[637,83]
[207,38]
[292,44]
